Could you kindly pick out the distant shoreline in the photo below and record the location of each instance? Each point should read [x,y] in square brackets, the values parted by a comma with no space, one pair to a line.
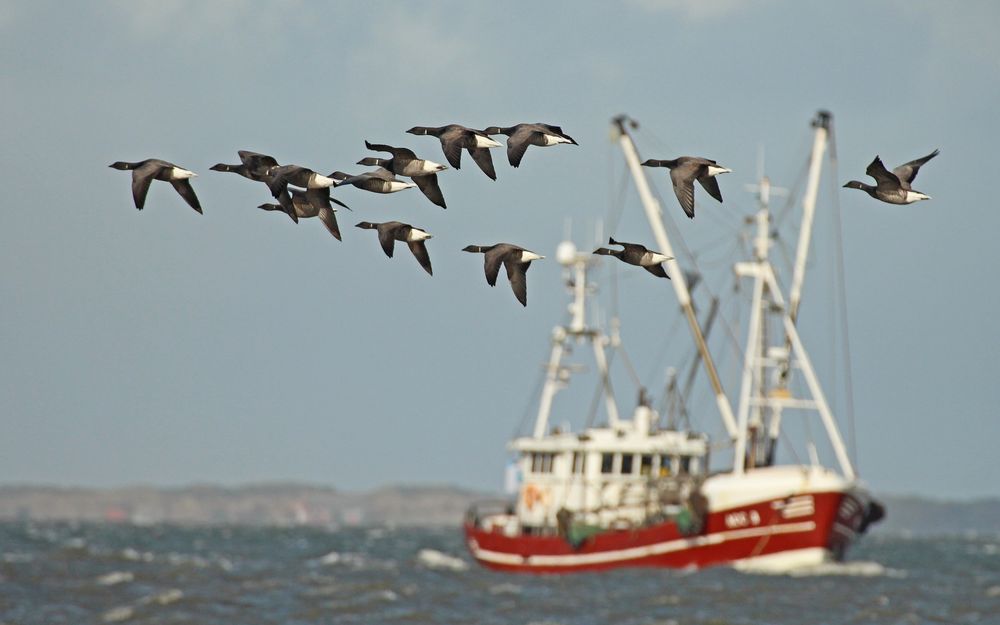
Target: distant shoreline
[288,503]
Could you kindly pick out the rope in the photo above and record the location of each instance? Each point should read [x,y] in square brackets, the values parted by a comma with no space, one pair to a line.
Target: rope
[842,293]
[532,399]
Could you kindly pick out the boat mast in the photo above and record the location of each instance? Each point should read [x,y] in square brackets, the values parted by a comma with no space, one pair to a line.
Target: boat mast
[767,300]
[654,215]
[822,125]
[576,265]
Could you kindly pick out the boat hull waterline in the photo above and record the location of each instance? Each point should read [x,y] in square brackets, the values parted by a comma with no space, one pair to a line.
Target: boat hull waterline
[781,533]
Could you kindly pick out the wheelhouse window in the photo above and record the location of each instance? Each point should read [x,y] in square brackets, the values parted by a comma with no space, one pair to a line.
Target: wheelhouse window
[646,465]
[541,462]
[627,462]
[665,466]
[685,465]
[607,463]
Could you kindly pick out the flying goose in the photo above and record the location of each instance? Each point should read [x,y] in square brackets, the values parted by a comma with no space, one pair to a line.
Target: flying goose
[515,259]
[311,203]
[454,138]
[380,180]
[391,231]
[144,172]
[684,170]
[264,168]
[893,186]
[639,255]
[405,163]
[253,165]
[519,137]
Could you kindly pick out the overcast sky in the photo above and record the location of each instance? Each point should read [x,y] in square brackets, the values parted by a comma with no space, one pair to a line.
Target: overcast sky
[168,347]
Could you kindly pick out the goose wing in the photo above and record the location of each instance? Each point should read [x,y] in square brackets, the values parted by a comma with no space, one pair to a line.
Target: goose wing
[517,145]
[682,178]
[519,140]
[318,198]
[369,181]
[882,175]
[493,259]
[387,237]
[518,280]
[401,153]
[484,160]
[329,219]
[710,184]
[277,178]
[187,192]
[419,251]
[285,200]
[451,145]
[657,270]
[907,172]
[429,186]
[559,131]
[142,177]
[255,162]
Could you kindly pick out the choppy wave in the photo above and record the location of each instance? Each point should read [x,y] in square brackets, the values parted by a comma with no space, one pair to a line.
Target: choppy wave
[342,559]
[137,556]
[506,589]
[434,559]
[17,558]
[115,577]
[353,560]
[122,575]
[163,598]
[845,569]
[118,614]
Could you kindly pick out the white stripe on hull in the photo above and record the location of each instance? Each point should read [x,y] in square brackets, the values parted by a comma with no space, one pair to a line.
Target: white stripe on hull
[636,553]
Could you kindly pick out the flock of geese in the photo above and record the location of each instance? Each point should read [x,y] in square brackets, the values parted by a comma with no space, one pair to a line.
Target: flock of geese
[303,193]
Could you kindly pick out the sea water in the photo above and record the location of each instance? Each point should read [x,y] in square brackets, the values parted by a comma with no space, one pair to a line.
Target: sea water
[62,573]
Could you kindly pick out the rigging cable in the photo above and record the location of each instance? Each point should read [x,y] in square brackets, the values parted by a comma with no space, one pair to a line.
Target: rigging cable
[842,292]
[532,398]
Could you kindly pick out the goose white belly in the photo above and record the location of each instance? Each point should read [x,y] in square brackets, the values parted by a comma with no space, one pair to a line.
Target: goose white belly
[317,181]
[485,142]
[417,234]
[397,185]
[554,140]
[178,173]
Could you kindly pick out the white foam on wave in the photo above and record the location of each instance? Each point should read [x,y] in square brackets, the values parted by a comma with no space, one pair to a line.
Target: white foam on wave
[186,559]
[336,558]
[115,578]
[75,543]
[434,559]
[164,598]
[833,569]
[118,614]
[17,558]
[506,589]
[135,555]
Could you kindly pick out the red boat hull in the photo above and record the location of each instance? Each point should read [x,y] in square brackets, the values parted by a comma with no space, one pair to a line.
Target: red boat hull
[817,524]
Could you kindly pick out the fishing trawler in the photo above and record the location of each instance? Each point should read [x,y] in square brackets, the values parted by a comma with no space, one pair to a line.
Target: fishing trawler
[635,492]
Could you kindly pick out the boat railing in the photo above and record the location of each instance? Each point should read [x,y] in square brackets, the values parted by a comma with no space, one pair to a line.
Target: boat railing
[493,509]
